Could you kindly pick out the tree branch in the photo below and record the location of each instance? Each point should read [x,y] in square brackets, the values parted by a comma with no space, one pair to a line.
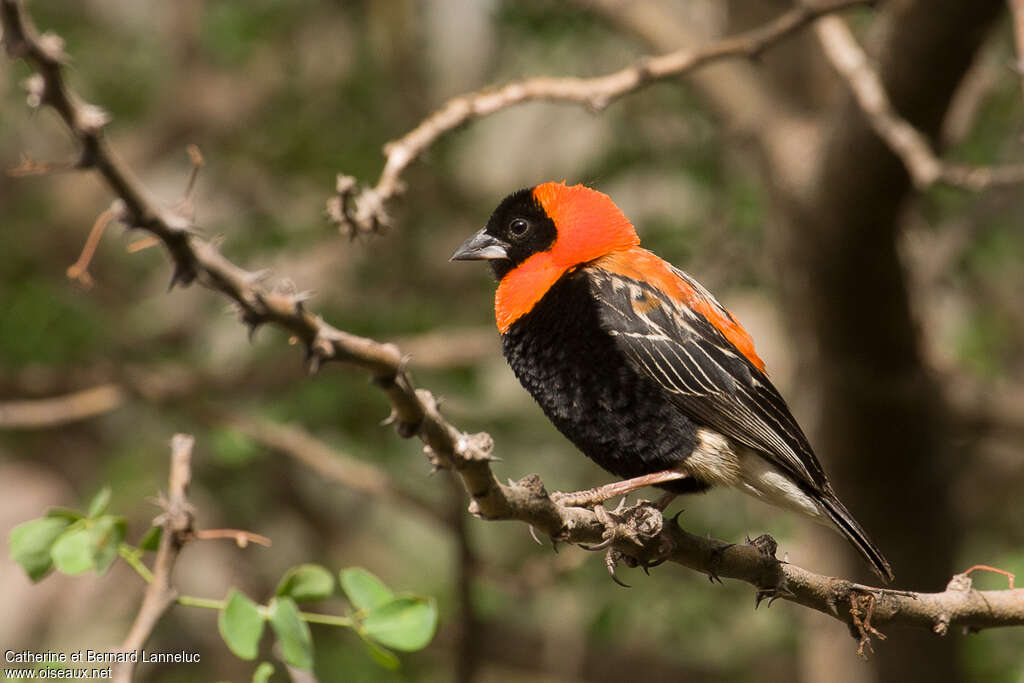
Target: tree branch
[638,535]
[1017,11]
[359,211]
[50,412]
[177,525]
[335,466]
[925,167]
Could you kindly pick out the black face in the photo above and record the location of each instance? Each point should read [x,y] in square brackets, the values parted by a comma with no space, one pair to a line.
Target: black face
[516,230]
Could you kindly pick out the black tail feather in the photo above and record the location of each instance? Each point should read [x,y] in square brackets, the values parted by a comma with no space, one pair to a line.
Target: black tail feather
[848,526]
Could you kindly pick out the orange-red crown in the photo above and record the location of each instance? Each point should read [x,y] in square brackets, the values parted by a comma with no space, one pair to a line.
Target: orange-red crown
[588,222]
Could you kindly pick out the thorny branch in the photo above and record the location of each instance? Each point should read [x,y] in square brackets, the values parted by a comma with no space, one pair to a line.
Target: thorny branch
[177,526]
[638,535]
[925,167]
[360,211]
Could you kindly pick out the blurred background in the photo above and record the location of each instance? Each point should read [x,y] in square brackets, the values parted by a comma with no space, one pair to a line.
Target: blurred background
[891,320]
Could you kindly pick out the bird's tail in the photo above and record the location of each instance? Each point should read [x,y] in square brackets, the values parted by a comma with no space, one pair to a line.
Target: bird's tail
[848,526]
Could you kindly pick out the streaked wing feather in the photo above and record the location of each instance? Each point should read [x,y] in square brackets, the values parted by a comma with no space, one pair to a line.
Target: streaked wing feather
[706,376]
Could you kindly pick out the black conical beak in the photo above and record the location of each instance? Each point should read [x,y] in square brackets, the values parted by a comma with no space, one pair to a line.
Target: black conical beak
[481,247]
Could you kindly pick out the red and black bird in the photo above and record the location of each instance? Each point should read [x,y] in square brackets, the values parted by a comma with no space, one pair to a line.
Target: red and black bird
[640,366]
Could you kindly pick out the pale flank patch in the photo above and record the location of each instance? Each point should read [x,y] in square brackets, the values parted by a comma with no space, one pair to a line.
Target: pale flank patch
[761,479]
[714,461]
[718,462]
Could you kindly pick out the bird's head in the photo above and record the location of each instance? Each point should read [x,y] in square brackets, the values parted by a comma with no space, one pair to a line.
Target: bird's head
[551,227]
[537,235]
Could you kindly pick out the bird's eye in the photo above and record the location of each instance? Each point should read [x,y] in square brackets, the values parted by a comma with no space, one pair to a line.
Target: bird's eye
[518,227]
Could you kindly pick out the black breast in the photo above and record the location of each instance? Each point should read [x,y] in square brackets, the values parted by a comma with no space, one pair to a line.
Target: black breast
[618,417]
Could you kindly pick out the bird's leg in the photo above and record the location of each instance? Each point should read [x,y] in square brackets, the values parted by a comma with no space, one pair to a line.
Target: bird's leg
[590,497]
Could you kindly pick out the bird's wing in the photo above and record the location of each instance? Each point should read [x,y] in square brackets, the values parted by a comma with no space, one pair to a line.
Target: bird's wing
[673,330]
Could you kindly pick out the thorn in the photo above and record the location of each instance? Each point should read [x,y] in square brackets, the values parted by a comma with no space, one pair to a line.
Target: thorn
[299,298]
[178,276]
[715,560]
[195,157]
[406,430]
[312,360]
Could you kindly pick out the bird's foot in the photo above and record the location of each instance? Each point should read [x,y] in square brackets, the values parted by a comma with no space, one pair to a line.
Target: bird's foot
[635,526]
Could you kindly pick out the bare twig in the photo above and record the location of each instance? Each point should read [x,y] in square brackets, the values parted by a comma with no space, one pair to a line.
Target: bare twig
[50,412]
[79,270]
[359,211]
[639,535]
[984,567]
[334,465]
[177,524]
[925,167]
[241,538]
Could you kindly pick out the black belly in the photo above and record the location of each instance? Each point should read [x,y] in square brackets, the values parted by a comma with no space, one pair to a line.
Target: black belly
[618,417]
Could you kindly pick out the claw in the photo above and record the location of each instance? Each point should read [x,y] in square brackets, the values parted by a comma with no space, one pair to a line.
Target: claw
[600,546]
[611,561]
[533,535]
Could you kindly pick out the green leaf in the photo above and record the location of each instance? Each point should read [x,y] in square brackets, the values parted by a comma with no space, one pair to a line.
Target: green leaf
[75,551]
[151,541]
[406,623]
[241,625]
[306,582]
[364,590]
[65,513]
[292,633]
[384,657]
[107,534]
[29,544]
[99,503]
[263,672]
